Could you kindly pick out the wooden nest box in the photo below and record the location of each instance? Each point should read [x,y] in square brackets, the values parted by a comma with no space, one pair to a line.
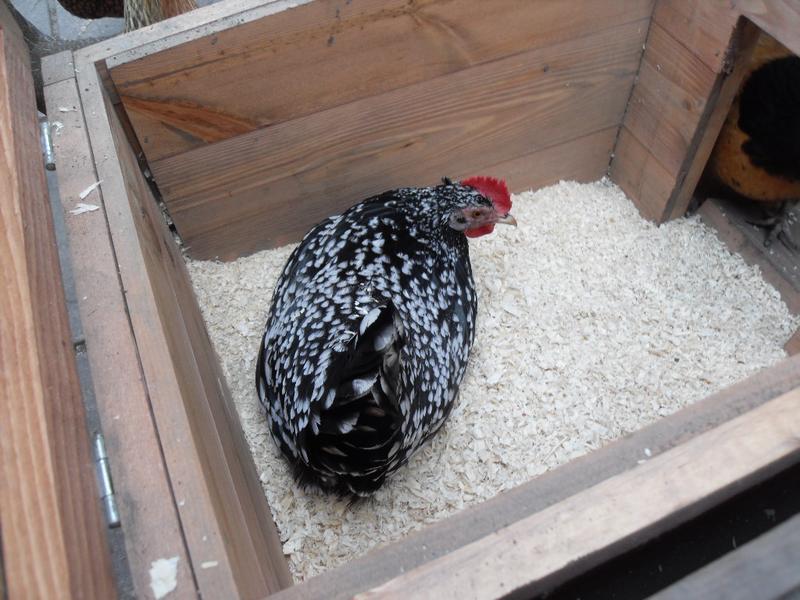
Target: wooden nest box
[256,119]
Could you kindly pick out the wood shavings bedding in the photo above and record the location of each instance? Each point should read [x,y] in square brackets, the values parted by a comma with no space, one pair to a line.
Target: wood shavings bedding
[591,324]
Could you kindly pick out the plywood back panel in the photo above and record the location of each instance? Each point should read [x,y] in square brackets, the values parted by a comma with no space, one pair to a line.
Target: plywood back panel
[267,187]
[326,53]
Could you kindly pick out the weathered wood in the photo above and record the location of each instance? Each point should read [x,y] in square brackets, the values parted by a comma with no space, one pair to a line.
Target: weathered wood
[467,526]
[717,107]
[310,58]
[58,67]
[204,21]
[792,347]
[670,94]
[53,537]
[704,28]
[641,176]
[767,568]
[676,112]
[266,188]
[583,159]
[669,489]
[147,509]
[225,522]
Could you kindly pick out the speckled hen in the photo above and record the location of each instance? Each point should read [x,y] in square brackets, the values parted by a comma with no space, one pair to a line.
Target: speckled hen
[370,328]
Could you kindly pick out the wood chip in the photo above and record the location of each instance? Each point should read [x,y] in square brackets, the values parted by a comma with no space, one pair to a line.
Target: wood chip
[163,576]
[591,324]
[82,207]
[89,190]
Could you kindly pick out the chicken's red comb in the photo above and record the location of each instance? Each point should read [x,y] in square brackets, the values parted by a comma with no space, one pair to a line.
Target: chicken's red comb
[494,189]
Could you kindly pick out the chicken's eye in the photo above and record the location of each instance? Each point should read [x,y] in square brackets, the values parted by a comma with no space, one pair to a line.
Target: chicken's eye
[476,214]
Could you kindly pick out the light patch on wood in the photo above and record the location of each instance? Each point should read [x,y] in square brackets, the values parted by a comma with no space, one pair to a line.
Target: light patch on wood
[164,576]
[89,189]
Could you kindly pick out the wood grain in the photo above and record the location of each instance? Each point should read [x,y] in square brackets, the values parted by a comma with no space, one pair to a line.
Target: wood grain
[641,176]
[766,568]
[266,188]
[711,120]
[792,347]
[692,68]
[701,28]
[669,489]
[148,511]
[583,159]
[53,537]
[704,28]
[223,519]
[311,58]
[58,67]
[469,525]
[671,91]
[673,138]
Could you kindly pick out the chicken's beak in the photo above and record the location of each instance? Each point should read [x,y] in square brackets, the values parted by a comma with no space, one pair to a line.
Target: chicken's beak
[507,219]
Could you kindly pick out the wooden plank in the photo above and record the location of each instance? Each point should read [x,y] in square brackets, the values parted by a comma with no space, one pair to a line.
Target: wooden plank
[225,523]
[641,176]
[266,188]
[583,159]
[147,509]
[779,18]
[204,21]
[467,526]
[674,138]
[311,58]
[792,347]
[711,120]
[704,28]
[766,568]
[669,97]
[58,67]
[670,489]
[53,537]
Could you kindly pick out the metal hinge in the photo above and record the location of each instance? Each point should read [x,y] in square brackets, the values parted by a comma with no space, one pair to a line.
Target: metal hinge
[104,481]
[47,143]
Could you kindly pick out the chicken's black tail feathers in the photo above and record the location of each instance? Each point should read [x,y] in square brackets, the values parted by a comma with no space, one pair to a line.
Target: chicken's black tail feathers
[770,116]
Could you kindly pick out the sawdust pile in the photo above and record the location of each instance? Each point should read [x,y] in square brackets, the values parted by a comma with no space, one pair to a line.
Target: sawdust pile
[591,324]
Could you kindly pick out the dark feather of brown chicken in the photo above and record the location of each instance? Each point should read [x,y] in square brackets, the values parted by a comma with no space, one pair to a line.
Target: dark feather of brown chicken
[757,153]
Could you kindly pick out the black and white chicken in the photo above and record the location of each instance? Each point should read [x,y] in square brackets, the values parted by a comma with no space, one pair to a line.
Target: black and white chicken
[370,328]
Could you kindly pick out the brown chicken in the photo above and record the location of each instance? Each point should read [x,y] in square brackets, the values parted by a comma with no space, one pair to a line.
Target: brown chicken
[757,154]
